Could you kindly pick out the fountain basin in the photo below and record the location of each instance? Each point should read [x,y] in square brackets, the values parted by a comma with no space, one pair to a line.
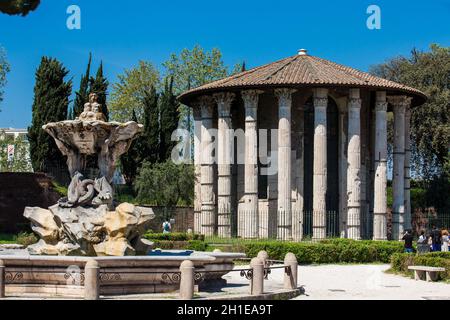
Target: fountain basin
[63,276]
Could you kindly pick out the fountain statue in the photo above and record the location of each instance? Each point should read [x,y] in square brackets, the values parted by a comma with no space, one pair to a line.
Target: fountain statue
[87,221]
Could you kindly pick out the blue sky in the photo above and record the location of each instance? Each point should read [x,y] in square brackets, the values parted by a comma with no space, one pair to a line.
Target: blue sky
[255,31]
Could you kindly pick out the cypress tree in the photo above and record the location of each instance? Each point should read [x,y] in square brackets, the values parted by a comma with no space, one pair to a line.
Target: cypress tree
[146,146]
[151,135]
[169,118]
[51,101]
[82,95]
[99,85]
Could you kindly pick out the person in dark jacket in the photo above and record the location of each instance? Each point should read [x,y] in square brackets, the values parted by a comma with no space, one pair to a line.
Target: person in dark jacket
[408,238]
[436,241]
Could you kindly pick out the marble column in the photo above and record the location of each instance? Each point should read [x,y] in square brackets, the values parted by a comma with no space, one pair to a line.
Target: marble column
[408,217]
[250,218]
[398,183]
[284,210]
[354,166]
[207,171]
[225,153]
[320,163]
[380,181]
[343,127]
[197,166]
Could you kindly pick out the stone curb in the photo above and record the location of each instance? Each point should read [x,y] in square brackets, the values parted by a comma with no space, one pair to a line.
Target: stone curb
[278,295]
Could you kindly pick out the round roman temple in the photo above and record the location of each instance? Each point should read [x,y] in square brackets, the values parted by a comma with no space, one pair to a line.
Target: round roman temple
[298,149]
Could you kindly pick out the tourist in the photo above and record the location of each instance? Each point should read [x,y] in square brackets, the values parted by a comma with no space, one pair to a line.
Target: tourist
[445,240]
[166,227]
[436,239]
[408,238]
[422,243]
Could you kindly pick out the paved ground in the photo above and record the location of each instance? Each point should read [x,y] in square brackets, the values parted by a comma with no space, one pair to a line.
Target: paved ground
[323,282]
[352,282]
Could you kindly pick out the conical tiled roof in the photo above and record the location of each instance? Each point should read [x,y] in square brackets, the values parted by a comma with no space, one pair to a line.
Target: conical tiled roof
[302,70]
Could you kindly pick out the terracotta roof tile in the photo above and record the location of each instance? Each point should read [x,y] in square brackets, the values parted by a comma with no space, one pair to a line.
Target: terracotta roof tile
[301,70]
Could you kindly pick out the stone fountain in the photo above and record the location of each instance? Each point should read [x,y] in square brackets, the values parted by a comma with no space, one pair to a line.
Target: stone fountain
[87,221]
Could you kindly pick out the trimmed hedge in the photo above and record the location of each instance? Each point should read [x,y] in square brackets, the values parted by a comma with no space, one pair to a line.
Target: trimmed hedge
[327,251]
[196,245]
[401,261]
[176,236]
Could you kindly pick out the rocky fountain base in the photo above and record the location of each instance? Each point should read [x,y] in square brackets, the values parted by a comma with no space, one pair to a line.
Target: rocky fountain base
[89,231]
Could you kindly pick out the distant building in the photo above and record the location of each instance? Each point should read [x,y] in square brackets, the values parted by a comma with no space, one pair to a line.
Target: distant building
[13,152]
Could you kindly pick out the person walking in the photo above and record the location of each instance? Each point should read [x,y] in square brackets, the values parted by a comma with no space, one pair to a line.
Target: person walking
[445,240]
[436,239]
[408,238]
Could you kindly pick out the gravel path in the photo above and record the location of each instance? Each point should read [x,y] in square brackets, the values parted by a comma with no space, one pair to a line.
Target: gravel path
[359,282]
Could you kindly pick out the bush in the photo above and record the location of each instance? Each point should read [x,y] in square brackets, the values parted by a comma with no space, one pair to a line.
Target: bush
[196,245]
[327,251]
[401,261]
[26,239]
[174,236]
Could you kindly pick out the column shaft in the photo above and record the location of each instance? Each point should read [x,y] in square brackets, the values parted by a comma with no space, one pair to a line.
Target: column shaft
[225,153]
[284,211]
[380,181]
[197,167]
[408,217]
[354,166]
[250,219]
[207,171]
[398,184]
[343,169]
[320,163]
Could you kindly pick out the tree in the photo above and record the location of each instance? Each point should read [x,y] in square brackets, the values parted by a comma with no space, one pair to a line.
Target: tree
[193,68]
[129,92]
[4,69]
[146,146]
[430,125]
[20,161]
[99,85]
[18,7]
[165,184]
[169,117]
[51,101]
[82,95]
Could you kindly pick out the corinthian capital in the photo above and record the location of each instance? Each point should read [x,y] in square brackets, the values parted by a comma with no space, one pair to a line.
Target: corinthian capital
[284,96]
[381,106]
[224,100]
[251,97]
[206,104]
[400,101]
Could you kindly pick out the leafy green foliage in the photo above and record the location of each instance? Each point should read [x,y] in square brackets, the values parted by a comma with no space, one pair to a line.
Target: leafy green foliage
[174,236]
[165,184]
[18,7]
[4,69]
[82,95]
[327,251]
[430,125]
[401,261]
[169,117]
[129,93]
[99,85]
[196,245]
[51,101]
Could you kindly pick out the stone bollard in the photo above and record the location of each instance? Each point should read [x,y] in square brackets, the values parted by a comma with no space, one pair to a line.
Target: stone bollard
[91,280]
[187,280]
[2,279]
[290,278]
[264,256]
[257,282]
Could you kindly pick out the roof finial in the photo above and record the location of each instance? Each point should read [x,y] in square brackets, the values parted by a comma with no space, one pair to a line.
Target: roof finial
[302,52]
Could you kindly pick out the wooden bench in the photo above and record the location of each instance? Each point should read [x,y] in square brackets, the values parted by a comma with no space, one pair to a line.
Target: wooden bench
[425,272]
